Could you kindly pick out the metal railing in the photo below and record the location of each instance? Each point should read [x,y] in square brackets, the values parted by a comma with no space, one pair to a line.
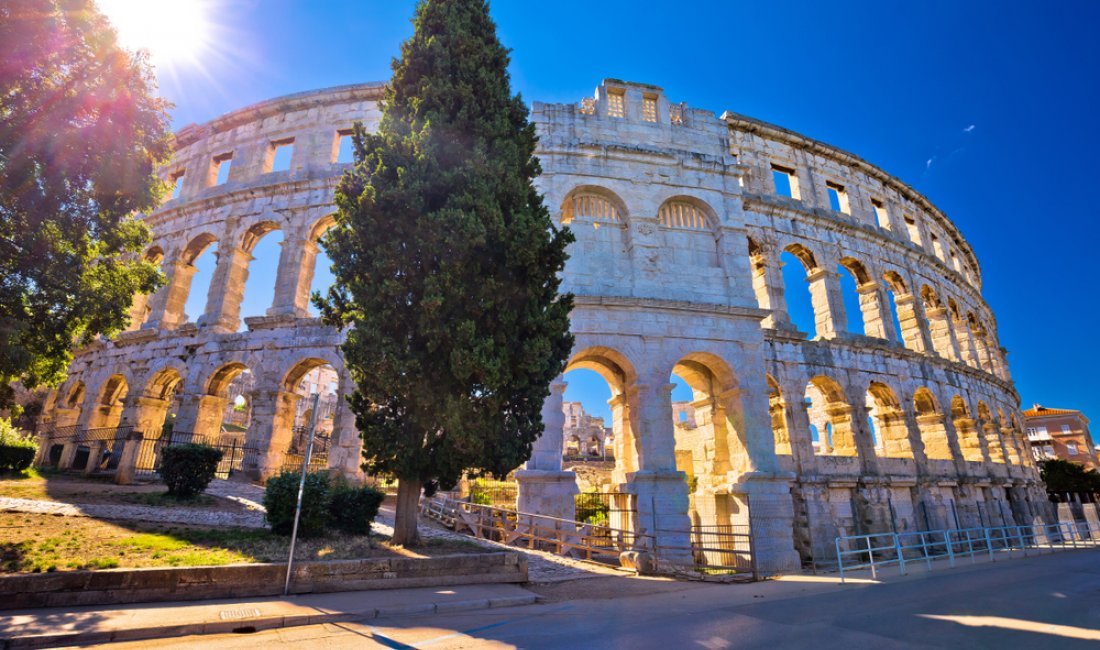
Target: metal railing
[879,550]
[541,532]
[713,549]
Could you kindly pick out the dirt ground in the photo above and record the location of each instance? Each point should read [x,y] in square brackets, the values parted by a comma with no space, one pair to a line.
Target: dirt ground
[69,488]
[43,543]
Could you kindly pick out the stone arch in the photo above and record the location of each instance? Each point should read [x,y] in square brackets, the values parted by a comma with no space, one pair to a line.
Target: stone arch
[965,427]
[218,383]
[863,294]
[320,227]
[885,415]
[593,204]
[805,315]
[688,233]
[151,408]
[904,311]
[830,412]
[777,409]
[712,443]
[107,409]
[178,294]
[251,294]
[69,405]
[619,373]
[962,333]
[684,212]
[929,418]
[939,324]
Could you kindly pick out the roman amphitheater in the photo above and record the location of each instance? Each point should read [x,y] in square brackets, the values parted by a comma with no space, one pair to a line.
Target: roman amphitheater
[900,414]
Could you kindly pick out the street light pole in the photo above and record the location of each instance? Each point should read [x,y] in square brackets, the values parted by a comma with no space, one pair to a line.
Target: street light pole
[301,490]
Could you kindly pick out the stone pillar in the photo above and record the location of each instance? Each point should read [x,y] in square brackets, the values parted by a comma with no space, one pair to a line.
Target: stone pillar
[1067,522]
[912,330]
[223,305]
[943,336]
[271,431]
[967,353]
[767,284]
[145,414]
[66,417]
[166,306]
[297,263]
[660,490]
[139,309]
[543,488]
[1092,519]
[346,453]
[828,302]
[95,456]
[877,320]
[202,415]
[128,462]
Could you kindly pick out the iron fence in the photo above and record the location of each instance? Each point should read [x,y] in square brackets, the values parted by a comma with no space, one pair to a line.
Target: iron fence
[499,494]
[236,457]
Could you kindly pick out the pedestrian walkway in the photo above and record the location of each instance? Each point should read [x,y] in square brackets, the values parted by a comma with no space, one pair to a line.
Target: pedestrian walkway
[83,625]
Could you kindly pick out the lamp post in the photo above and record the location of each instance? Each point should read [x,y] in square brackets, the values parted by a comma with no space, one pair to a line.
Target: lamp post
[301,490]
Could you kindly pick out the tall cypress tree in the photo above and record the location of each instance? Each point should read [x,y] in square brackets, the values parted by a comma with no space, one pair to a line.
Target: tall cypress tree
[446,264]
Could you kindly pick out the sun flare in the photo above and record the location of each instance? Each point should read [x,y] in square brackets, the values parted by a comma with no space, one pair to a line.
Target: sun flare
[172,31]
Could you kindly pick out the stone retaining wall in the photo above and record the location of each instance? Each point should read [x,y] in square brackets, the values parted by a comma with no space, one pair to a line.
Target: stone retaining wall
[75,588]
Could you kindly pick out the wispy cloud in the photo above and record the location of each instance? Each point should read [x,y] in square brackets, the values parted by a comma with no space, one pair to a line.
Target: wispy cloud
[969,128]
[928,163]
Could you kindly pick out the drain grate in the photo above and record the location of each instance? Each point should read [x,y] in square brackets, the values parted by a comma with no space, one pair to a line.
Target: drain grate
[237,614]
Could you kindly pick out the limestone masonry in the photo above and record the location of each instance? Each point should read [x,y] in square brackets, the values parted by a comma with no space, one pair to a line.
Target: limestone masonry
[681,217]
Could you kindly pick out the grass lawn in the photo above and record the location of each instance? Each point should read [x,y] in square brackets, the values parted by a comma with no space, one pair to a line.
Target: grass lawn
[71,488]
[43,543]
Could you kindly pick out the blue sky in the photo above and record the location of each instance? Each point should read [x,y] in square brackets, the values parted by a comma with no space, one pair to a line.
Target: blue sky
[986,107]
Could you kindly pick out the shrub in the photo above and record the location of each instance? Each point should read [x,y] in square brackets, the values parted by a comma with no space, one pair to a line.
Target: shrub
[188,469]
[16,450]
[591,509]
[352,509]
[281,497]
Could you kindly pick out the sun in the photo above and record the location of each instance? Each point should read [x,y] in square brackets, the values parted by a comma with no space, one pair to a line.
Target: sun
[174,32]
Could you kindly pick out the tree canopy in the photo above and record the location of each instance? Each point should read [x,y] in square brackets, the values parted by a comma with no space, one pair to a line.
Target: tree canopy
[81,133]
[1063,476]
[447,265]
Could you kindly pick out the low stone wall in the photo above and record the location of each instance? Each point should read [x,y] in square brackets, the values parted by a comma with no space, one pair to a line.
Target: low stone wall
[114,586]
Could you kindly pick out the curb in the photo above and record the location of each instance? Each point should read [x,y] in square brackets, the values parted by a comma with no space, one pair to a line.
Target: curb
[249,625]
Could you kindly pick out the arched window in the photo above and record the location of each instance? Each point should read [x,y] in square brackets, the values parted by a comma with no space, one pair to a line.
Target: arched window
[683,215]
[587,206]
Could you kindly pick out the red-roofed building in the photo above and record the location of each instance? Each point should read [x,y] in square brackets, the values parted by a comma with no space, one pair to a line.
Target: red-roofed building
[1060,433]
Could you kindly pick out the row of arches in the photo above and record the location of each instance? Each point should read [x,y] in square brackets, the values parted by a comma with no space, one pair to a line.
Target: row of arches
[852,299]
[230,405]
[268,269]
[894,427]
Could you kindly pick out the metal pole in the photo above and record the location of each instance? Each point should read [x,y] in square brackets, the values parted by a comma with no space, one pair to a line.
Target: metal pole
[301,491]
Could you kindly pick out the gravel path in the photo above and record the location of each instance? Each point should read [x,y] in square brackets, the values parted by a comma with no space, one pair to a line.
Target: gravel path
[252,519]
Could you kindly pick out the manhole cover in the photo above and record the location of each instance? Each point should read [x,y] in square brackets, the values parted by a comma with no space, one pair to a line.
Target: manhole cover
[236,614]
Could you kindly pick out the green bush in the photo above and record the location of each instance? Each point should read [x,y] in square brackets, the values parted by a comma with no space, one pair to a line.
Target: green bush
[281,498]
[591,509]
[188,469]
[16,450]
[352,509]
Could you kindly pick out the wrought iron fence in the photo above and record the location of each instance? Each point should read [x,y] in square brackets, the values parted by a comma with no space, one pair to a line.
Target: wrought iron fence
[236,457]
[499,494]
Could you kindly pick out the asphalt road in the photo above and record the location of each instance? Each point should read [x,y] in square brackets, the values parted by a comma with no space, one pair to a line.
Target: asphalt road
[1051,601]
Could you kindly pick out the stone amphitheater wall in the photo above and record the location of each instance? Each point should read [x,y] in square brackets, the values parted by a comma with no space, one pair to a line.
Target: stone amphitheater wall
[680,228]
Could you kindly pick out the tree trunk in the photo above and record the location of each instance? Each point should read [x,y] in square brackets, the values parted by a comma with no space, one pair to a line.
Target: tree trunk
[405,532]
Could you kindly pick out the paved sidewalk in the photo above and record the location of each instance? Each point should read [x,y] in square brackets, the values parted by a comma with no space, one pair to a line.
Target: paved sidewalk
[83,625]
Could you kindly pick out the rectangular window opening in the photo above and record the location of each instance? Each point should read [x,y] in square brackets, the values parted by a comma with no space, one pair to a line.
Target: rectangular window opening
[1071,448]
[914,233]
[281,153]
[786,182]
[222,164]
[649,108]
[616,103]
[176,180]
[345,147]
[937,248]
[838,198]
[881,218]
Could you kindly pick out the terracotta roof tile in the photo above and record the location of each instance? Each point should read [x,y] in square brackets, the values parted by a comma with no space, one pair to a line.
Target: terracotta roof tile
[1038,410]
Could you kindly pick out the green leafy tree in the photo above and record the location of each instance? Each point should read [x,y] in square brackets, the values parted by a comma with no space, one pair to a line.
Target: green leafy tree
[446,265]
[81,133]
[1062,476]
